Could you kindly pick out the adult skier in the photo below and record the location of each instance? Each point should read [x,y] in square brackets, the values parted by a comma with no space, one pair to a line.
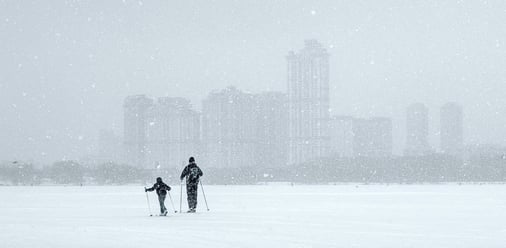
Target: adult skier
[192,173]
[161,190]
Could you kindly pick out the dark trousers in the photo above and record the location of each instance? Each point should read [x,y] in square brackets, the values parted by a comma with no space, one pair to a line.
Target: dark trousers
[161,199]
[191,191]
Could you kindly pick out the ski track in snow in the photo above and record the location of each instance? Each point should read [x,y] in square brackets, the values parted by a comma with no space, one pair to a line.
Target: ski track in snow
[257,216]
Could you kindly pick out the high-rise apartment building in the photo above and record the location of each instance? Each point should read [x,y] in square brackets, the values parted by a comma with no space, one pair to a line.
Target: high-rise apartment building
[308,102]
[173,133]
[229,129]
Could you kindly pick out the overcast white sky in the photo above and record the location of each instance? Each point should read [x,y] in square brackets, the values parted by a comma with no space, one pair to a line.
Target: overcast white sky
[66,66]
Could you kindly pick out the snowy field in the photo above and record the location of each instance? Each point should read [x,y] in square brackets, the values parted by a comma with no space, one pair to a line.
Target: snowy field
[257,216]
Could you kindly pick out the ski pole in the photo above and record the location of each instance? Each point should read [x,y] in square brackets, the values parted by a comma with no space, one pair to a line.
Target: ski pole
[147,200]
[204,194]
[181,198]
[170,197]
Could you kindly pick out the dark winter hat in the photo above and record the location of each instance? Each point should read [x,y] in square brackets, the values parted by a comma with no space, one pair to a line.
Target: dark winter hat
[158,179]
[192,159]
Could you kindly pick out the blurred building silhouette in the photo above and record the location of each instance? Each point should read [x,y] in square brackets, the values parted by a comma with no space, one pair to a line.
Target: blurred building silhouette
[271,129]
[159,134]
[452,129]
[308,102]
[228,128]
[417,130]
[341,136]
[135,109]
[372,137]
[173,133]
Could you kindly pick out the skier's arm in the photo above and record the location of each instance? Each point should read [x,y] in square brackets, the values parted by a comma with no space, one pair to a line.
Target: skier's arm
[184,173]
[166,187]
[200,172]
[152,188]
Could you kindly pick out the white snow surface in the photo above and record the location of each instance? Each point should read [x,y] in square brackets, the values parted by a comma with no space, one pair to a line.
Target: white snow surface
[257,216]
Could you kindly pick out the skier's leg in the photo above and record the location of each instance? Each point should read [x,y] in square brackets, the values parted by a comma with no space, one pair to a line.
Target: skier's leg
[163,204]
[189,195]
[161,199]
[195,190]
[160,202]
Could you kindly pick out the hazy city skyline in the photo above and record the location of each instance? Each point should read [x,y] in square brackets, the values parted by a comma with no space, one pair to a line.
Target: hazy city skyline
[252,123]
[66,67]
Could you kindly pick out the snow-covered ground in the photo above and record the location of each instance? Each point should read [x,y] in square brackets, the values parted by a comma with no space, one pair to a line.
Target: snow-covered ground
[258,216]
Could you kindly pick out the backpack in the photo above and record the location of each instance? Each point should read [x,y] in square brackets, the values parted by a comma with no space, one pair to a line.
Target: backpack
[194,173]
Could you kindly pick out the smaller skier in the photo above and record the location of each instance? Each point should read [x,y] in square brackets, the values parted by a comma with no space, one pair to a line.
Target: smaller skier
[161,190]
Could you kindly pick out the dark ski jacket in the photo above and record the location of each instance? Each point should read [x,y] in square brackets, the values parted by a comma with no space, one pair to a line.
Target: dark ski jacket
[192,173]
[160,187]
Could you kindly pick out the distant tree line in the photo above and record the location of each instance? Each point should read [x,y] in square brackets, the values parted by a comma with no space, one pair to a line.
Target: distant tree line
[427,169]
[70,173]
[434,168]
